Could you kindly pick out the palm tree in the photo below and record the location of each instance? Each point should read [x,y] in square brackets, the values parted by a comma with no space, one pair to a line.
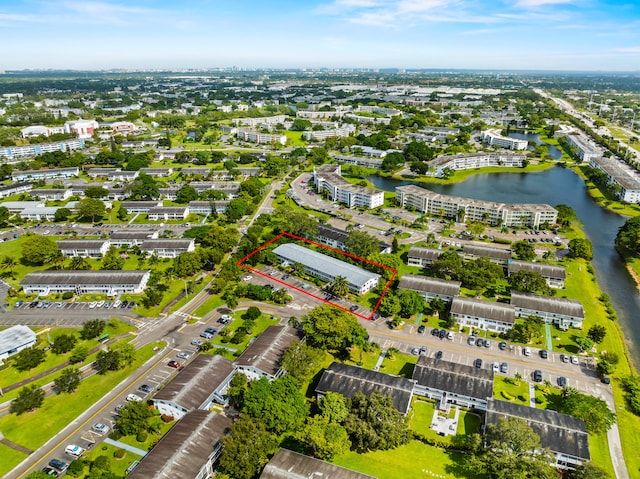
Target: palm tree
[461,215]
[154,260]
[339,287]
[78,263]
[8,264]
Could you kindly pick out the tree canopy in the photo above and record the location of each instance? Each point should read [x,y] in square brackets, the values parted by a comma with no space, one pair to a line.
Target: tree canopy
[326,327]
[38,250]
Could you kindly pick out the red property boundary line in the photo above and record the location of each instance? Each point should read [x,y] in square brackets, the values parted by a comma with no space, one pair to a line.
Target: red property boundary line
[292,236]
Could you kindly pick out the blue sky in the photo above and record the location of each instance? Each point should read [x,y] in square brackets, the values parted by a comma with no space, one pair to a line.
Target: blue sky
[478,34]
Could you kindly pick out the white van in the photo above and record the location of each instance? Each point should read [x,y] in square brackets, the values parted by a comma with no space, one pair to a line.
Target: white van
[74,450]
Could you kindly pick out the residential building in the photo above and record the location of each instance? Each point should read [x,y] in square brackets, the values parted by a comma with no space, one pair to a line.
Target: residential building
[83,128]
[421,257]
[19,206]
[198,385]
[326,267]
[318,115]
[327,178]
[139,206]
[337,238]
[84,248]
[565,436]
[109,282]
[168,213]
[564,313]
[347,380]
[40,213]
[51,194]
[493,137]
[452,383]
[157,172]
[122,175]
[477,313]
[51,173]
[286,464]
[318,135]
[260,121]
[15,189]
[584,148]
[366,120]
[476,160]
[500,256]
[13,154]
[510,215]
[40,130]
[553,275]
[14,339]
[625,177]
[168,247]
[101,172]
[261,138]
[207,207]
[263,357]
[189,450]
[132,238]
[431,288]
[360,161]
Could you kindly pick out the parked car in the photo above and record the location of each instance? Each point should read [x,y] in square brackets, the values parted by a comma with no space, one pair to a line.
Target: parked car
[415,351]
[537,376]
[574,360]
[439,355]
[496,367]
[450,335]
[173,364]
[145,388]
[562,381]
[471,340]
[196,342]
[353,307]
[480,342]
[442,334]
[504,368]
[502,345]
[487,343]
[435,332]
[544,354]
[526,351]
[564,358]
[100,428]
[58,464]
[206,335]
[478,363]
[423,351]
[133,397]
[50,471]
[421,329]
[74,450]
[183,355]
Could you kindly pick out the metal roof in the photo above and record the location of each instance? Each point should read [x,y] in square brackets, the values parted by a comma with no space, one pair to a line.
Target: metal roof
[548,304]
[197,381]
[424,253]
[14,337]
[81,243]
[286,464]
[185,449]
[558,432]
[320,262]
[265,353]
[479,308]
[67,277]
[454,378]
[545,270]
[347,380]
[426,284]
[489,252]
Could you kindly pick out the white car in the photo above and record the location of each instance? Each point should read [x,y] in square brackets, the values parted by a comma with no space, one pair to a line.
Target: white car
[247,278]
[496,368]
[92,305]
[527,351]
[574,360]
[450,335]
[117,303]
[133,397]
[99,304]
[74,450]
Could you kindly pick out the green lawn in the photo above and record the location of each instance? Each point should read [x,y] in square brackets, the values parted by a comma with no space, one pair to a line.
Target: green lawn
[260,325]
[294,138]
[152,439]
[366,360]
[422,412]
[599,449]
[33,429]
[10,459]
[211,303]
[118,466]
[411,461]
[502,385]
[399,364]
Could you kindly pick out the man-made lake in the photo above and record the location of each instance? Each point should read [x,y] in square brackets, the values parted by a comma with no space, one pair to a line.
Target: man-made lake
[554,152]
[560,186]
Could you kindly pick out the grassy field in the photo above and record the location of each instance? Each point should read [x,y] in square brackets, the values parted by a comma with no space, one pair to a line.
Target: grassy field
[399,364]
[422,413]
[502,385]
[152,439]
[33,429]
[261,324]
[10,458]
[118,466]
[209,305]
[414,460]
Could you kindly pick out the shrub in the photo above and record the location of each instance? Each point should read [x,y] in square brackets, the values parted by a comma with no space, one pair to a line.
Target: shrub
[76,468]
[142,436]
[507,396]
[119,453]
[167,418]
[67,295]
[521,398]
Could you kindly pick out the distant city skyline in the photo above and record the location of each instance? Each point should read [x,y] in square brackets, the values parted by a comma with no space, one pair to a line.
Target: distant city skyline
[565,35]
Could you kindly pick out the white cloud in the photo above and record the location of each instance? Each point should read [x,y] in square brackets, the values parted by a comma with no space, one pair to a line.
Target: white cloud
[539,3]
[628,49]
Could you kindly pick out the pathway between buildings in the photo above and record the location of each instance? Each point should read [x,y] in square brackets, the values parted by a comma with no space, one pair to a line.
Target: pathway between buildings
[126,447]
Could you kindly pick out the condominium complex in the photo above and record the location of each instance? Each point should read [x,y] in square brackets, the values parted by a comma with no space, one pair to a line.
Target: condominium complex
[341,132]
[260,121]
[479,160]
[262,138]
[327,178]
[511,215]
[585,150]
[493,137]
[625,177]
[18,152]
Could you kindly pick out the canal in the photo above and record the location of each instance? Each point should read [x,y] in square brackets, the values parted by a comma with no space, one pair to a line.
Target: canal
[560,186]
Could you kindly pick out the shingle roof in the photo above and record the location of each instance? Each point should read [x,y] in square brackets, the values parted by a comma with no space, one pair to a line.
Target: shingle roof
[347,380]
[558,432]
[424,253]
[60,276]
[427,284]
[287,464]
[185,448]
[265,353]
[494,253]
[454,378]
[81,243]
[197,381]
[548,304]
[163,243]
[504,313]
